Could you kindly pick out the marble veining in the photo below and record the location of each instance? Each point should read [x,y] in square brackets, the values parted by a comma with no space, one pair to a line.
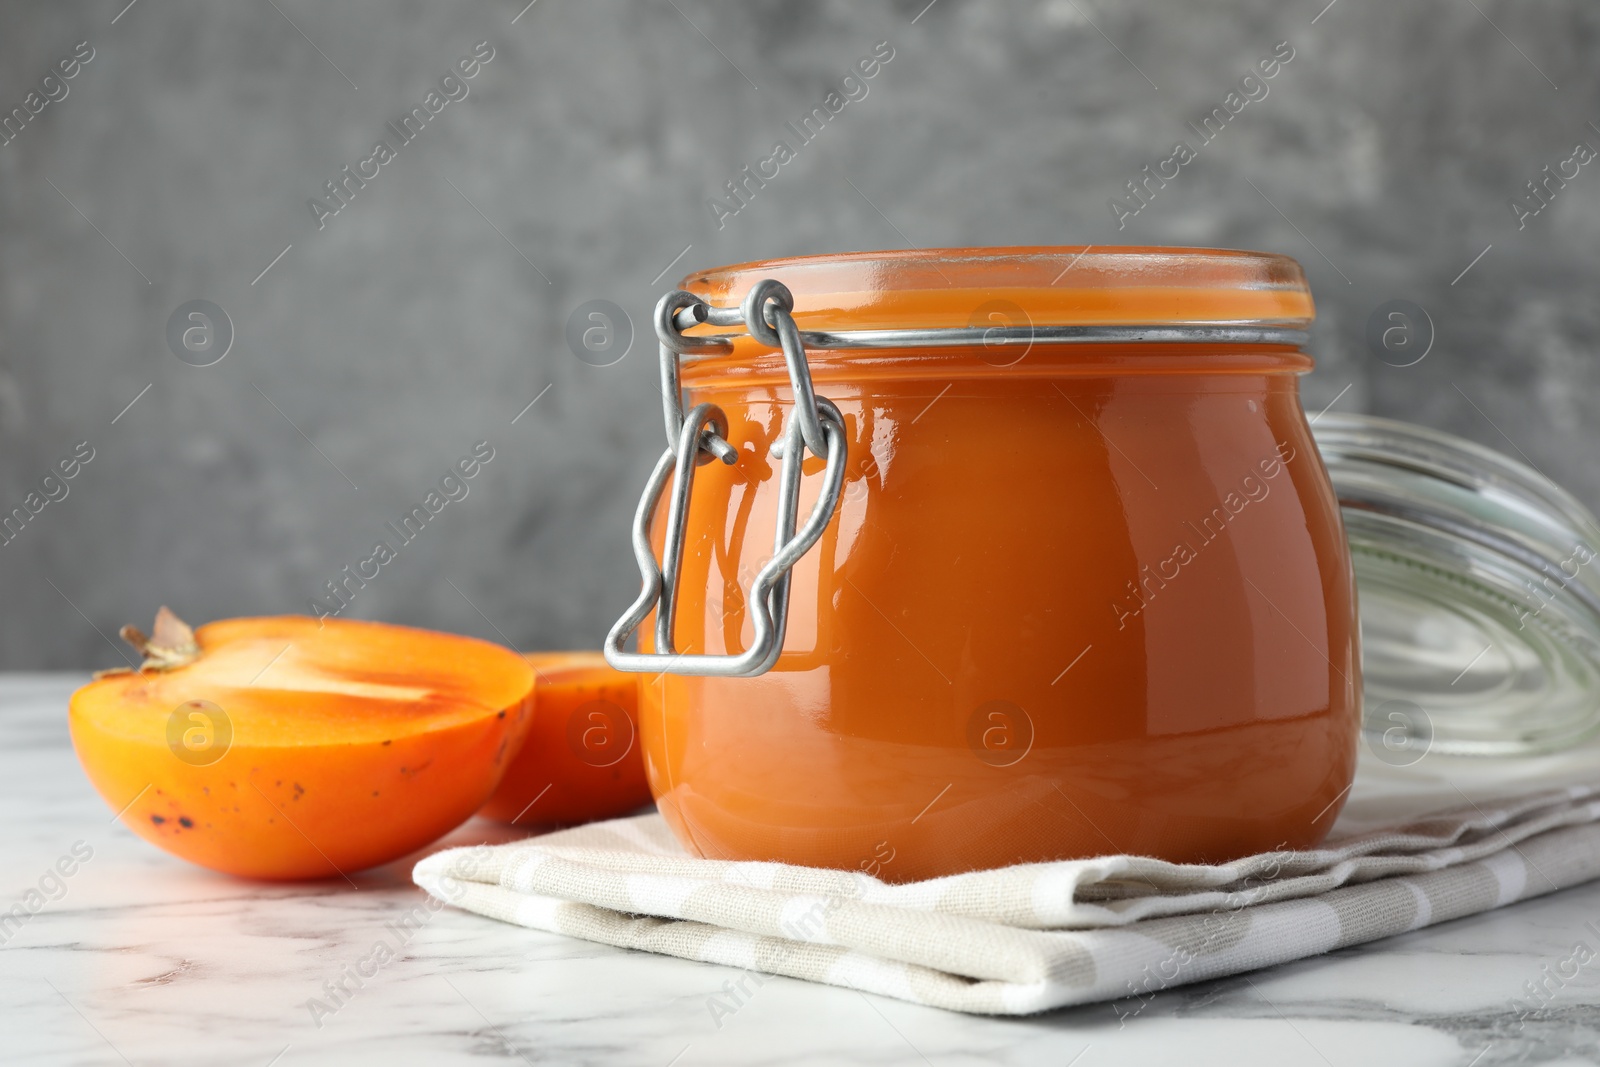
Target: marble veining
[144,959]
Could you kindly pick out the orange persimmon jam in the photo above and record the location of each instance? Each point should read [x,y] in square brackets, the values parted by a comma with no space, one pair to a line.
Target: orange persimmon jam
[1080,596]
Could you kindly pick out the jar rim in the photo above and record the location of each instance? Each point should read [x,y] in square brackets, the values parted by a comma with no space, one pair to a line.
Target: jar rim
[1036,286]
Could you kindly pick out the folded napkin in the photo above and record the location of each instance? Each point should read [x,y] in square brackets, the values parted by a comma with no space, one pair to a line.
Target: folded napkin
[1031,937]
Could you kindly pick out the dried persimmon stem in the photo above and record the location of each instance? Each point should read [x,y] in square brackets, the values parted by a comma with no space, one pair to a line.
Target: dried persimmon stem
[171,643]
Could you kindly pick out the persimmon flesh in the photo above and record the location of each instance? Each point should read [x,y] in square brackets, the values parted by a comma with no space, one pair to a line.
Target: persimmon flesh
[581,759]
[293,748]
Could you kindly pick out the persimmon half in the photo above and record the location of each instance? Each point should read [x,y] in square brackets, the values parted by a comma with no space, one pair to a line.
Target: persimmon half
[290,747]
[581,759]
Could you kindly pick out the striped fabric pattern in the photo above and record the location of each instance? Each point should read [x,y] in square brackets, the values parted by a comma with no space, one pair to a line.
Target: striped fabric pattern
[1032,937]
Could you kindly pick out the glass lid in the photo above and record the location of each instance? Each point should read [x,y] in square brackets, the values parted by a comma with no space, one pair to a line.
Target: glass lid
[1479,592]
[1086,285]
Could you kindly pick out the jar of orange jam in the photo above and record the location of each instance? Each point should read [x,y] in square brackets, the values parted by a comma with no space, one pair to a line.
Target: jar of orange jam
[975,557]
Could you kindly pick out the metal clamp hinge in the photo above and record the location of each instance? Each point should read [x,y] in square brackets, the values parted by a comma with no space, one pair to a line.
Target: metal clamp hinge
[701,435]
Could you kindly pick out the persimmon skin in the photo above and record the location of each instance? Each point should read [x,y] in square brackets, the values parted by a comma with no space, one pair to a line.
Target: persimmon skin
[315,783]
[562,774]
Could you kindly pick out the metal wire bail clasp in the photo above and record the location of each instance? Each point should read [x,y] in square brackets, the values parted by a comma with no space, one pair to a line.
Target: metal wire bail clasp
[698,437]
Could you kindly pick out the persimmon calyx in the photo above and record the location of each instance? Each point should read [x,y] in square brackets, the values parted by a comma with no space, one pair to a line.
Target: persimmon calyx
[170,645]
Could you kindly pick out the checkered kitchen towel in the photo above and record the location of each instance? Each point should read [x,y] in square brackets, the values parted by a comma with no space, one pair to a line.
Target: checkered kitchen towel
[1028,938]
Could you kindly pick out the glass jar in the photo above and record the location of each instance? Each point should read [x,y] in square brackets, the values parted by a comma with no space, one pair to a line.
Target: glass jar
[1480,593]
[1078,583]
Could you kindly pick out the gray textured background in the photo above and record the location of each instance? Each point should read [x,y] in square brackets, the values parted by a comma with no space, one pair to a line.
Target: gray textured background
[409,328]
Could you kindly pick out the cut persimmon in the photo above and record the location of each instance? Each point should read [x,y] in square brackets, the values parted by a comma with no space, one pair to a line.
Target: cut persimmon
[581,759]
[295,748]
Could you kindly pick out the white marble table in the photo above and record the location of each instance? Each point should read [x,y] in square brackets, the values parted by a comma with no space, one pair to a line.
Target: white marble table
[146,960]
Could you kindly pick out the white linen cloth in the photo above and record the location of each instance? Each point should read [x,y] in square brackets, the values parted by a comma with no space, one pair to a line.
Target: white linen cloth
[1032,937]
